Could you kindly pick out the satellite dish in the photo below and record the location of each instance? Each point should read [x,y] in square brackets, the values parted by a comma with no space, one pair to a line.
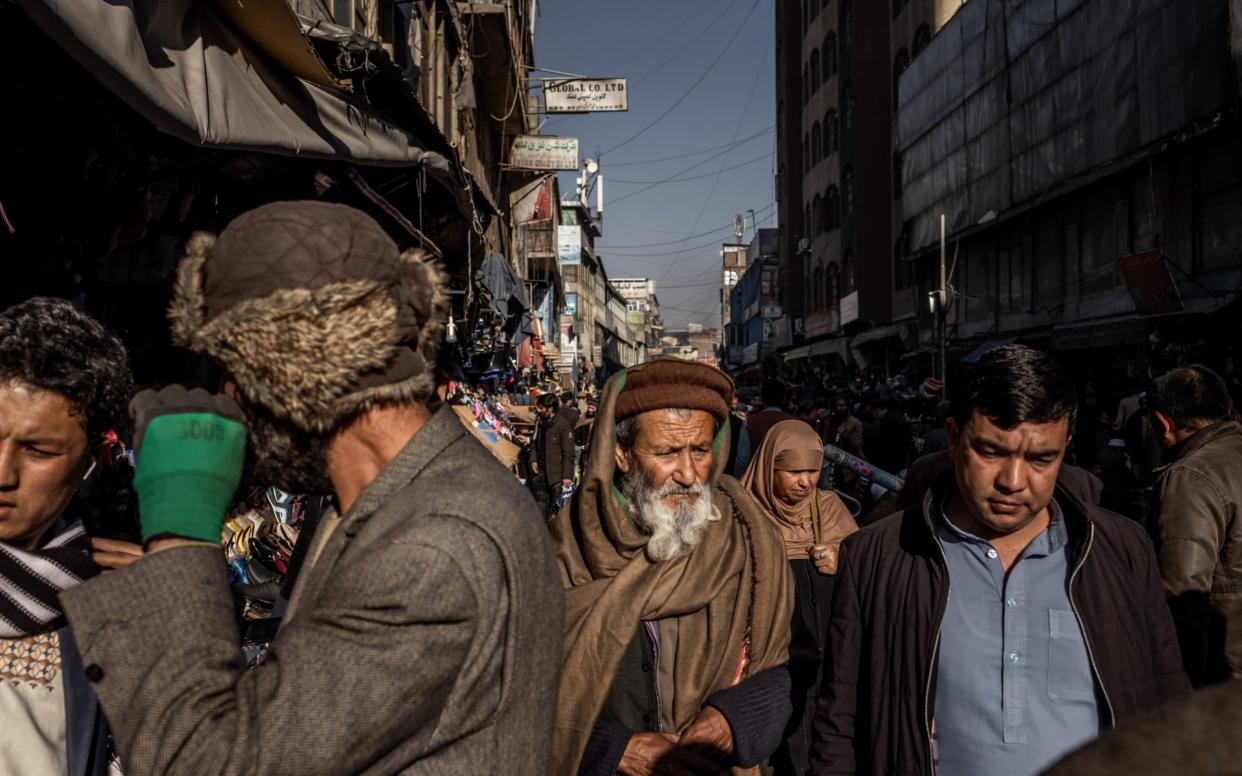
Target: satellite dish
[591,166]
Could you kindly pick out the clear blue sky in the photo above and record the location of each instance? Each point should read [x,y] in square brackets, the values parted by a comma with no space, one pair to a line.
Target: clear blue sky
[664,47]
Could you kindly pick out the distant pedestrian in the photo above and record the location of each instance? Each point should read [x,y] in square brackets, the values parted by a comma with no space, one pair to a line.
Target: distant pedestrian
[937,438]
[553,459]
[569,408]
[1055,627]
[773,395]
[1198,519]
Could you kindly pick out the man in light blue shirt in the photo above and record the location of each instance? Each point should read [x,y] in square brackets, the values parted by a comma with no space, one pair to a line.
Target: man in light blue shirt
[1015,690]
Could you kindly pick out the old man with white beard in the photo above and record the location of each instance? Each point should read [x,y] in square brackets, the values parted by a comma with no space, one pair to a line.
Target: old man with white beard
[677,593]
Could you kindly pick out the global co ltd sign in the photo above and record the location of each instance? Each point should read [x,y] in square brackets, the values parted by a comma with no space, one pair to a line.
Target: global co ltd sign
[586,95]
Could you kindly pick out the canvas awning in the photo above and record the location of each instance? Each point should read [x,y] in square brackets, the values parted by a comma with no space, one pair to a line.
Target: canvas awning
[893,330]
[233,75]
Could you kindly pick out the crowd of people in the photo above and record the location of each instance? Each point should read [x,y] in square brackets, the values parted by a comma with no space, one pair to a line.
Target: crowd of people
[681,586]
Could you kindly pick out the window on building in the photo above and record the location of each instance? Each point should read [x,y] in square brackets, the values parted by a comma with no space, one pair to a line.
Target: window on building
[817,143]
[834,286]
[831,134]
[898,6]
[817,295]
[832,209]
[817,212]
[922,36]
[847,107]
[847,21]
[896,174]
[830,56]
[847,184]
[814,70]
[814,9]
[899,66]
[806,17]
[806,84]
[847,272]
[806,154]
[806,221]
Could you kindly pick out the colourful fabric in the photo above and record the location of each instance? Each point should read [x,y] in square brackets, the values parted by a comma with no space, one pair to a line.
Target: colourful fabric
[820,517]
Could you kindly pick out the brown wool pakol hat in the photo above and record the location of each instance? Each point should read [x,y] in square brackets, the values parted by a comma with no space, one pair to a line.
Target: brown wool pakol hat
[670,383]
[313,309]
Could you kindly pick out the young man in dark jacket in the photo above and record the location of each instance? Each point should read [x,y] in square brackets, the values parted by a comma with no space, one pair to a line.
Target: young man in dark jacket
[1056,627]
[553,461]
[1199,503]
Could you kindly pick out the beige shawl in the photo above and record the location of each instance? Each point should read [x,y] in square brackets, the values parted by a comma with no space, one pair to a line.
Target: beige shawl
[732,595]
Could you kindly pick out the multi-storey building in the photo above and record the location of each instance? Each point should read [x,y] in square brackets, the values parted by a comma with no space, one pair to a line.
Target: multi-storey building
[1086,161]
[835,119]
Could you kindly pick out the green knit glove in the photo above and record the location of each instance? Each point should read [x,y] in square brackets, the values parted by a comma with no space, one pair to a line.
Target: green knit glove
[190,446]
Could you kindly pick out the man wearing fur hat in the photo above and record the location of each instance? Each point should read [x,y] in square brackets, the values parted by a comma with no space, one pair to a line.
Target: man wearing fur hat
[422,633]
[678,596]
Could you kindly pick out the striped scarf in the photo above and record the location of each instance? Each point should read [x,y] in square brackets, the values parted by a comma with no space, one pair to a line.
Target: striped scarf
[31,581]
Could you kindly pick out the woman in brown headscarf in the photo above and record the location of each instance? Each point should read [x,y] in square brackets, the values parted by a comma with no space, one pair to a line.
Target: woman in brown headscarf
[784,479]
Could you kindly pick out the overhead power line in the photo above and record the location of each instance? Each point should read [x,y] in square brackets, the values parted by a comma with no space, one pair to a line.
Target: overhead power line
[768,155]
[735,144]
[724,50]
[722,227]
[690,41]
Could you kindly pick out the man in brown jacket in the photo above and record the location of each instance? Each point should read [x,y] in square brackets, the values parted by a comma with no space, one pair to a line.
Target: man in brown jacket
[1055,627]
[1198,519]
[423,632]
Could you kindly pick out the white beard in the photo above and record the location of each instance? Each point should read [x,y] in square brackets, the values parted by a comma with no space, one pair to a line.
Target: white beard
[674,532]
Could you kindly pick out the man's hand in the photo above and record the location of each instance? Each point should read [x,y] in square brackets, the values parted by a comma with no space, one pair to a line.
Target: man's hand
[659,754]
[710,737]
[534,467]
[825,557]
[191,446]
[112,554]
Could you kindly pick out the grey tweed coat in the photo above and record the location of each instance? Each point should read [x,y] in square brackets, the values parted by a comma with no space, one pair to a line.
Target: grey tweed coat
[425,640]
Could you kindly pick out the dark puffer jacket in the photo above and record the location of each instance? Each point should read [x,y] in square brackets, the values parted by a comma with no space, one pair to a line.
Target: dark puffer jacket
[878,694]
[1198,526]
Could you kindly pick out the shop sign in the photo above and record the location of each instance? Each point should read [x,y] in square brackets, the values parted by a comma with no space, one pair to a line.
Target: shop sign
[544,152]
[586,95]
[571,303]
[849,308]
[1150,282]
[569,244]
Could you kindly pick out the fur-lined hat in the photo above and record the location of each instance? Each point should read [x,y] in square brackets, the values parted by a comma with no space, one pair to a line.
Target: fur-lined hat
[313,310]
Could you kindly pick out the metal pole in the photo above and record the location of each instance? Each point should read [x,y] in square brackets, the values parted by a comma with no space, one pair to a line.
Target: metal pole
[942,313]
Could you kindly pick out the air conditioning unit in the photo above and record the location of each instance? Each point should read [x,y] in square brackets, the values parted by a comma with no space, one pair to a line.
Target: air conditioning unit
[804,245]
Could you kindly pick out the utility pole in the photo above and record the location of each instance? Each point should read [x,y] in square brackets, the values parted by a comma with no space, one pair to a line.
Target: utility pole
[942,311]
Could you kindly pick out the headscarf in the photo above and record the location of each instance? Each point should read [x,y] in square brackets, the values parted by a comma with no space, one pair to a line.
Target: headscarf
[731,595]
[820,517]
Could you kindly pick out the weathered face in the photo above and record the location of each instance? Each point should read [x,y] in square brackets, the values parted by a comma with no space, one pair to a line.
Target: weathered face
[1007,476]
[841,409]
[43,457]
[793,487]
[672,447]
